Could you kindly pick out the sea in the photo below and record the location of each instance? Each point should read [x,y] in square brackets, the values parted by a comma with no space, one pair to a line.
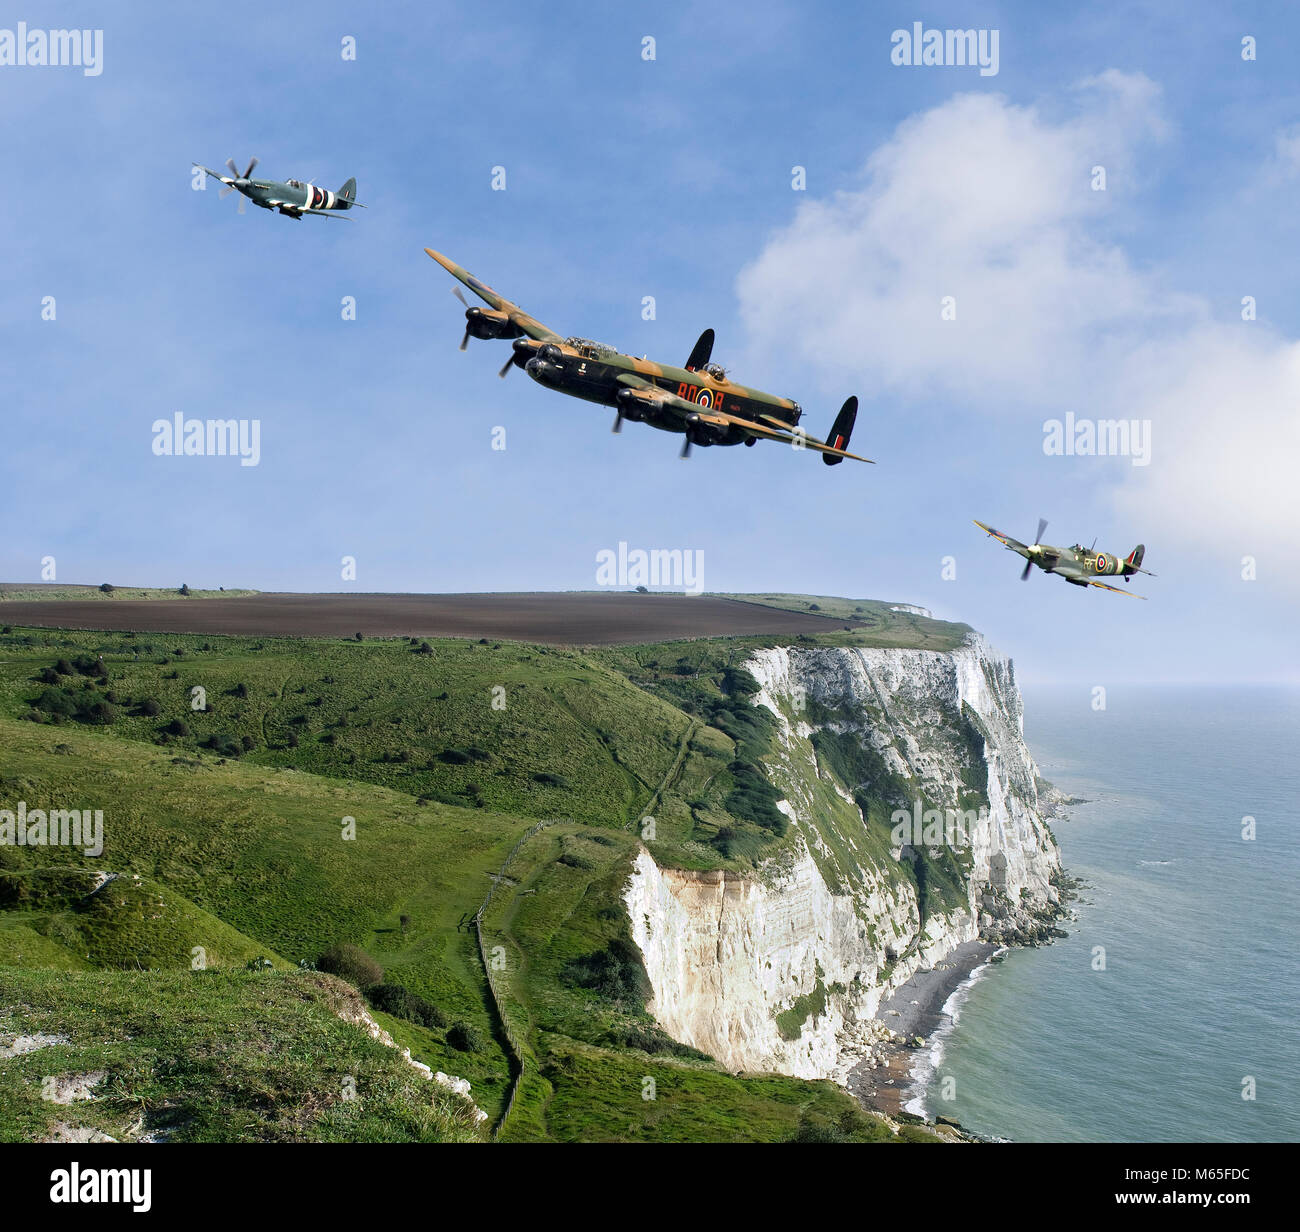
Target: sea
[1171,1013]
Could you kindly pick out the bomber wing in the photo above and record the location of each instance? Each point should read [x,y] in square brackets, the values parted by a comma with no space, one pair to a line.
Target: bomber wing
[681,407]
[1006,540]
[530,325]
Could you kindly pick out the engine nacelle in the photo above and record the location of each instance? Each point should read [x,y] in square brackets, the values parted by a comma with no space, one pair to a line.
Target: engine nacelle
[701,433]
[631,407]
[487,323]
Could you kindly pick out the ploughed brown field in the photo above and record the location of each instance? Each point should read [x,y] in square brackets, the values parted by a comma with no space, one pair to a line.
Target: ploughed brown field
[574,619]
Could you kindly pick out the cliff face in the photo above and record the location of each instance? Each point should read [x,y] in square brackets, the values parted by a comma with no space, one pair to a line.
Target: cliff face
[784,968]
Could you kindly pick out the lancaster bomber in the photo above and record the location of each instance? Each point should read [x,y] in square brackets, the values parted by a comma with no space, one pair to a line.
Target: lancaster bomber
[697,400]
[1078,565]
[293,198]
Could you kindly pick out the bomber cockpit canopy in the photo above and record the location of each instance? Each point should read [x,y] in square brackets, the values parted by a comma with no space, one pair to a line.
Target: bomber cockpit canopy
[589,349]
[716,371]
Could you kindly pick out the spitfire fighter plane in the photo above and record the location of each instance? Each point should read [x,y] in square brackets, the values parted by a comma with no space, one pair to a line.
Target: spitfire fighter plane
[293,198]
[1078,565]
[697,400]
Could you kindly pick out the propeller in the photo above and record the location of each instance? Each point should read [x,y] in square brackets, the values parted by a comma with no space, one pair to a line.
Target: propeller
[506,366]
[618,422]
[241,179]
[1038,538]
[464,342]
[686,447]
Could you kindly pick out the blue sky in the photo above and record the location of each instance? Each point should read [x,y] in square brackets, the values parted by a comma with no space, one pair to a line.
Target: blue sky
[672,178]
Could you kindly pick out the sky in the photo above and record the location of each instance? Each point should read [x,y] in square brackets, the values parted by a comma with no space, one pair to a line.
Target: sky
[949,253]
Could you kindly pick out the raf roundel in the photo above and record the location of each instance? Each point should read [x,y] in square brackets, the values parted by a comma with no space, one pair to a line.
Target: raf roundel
[1101,563]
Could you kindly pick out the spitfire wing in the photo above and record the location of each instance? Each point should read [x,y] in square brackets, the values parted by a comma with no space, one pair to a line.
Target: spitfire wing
[1117,590]
[683,408]
[216,175]
[326,214]
[532,327]
[1005,540]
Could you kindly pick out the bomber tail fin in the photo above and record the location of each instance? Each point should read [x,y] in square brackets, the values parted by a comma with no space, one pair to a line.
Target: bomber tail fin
[701,353]
[841,430]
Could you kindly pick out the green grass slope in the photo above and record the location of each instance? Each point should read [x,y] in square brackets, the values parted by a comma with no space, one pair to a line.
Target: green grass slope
[369,794]
[211,1056]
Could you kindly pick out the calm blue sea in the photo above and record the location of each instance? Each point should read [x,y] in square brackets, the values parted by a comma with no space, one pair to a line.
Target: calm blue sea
[1202,983]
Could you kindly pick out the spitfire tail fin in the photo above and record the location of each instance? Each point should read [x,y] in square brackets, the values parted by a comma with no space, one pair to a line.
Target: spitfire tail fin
[348,193]
[841,430]
[1133,561]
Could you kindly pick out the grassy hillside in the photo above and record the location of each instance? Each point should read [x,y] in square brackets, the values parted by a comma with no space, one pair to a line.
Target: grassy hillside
[211,1056]
[881,624]
[330,793]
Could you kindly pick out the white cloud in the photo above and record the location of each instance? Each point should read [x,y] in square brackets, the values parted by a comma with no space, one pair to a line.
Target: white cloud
[991,203]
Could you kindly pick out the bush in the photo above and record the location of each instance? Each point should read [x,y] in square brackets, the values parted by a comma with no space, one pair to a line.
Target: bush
[150,707]
[62,702]
[351,963]
[101,713]
[616,972]
[177,727]
[465,1038]
[402,1003]
[753,798]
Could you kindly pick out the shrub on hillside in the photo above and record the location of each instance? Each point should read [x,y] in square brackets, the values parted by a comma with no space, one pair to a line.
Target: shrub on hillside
[351,963]
[403,1003]
[465,1038]
[616,972]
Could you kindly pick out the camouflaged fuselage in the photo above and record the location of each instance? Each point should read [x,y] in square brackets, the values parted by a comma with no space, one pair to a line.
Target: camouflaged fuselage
[592,372]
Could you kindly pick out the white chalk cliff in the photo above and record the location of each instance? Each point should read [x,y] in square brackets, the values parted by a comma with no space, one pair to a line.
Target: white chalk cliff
[783,968]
